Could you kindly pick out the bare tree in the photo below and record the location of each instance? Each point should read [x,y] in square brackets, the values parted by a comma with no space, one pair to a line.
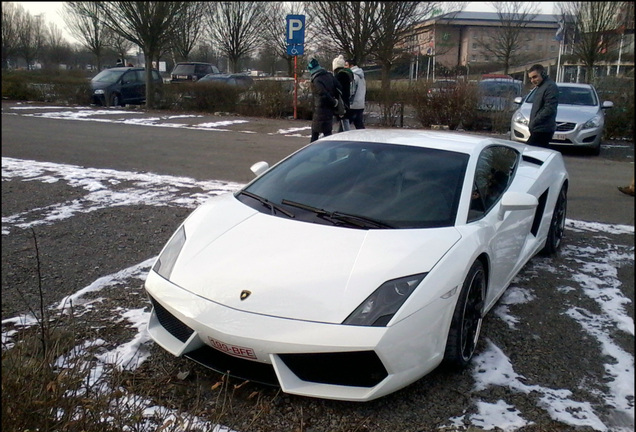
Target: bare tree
[31,36]
[84,21]
[57,48]
[10,18]
[395,22]
[505,42]
[346,27]
[236,29]
[191,30]
[275,39]
[150,25]
[119,44]
[595,25]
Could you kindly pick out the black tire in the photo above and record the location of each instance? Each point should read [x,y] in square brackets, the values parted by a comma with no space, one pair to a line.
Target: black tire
[557,224]
[595,151]
[467,318]
[115,100]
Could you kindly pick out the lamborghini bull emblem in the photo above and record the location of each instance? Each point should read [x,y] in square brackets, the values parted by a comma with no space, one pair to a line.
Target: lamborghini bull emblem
[245,294]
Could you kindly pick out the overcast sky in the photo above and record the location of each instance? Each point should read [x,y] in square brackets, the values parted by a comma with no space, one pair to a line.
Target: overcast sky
[51,11]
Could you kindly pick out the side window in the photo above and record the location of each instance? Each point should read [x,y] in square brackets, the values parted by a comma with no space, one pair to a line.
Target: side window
[494,172]
[129,78]
[215,70]
[156,76]
[141,76]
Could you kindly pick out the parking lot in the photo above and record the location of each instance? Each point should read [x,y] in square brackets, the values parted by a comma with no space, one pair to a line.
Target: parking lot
[102,190]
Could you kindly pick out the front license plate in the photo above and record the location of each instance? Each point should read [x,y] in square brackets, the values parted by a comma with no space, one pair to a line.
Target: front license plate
[559,137]
[234,350]
[182,77]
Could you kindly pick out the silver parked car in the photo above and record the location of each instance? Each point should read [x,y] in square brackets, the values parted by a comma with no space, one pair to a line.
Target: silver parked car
[580,117]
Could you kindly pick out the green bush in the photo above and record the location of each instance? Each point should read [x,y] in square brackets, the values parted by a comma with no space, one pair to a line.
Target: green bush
[619,120]
[271,99]
[452,108]
[68,87]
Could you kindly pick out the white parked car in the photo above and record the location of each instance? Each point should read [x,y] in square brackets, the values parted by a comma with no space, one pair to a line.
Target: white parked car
[359,263]
[580,117]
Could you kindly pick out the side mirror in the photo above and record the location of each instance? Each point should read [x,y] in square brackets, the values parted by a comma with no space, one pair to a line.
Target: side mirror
[518,100]
[512,201]
[607,104]
[259,168]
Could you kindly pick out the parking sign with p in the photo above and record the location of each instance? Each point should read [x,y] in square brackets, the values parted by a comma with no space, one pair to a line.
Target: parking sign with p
[295,29]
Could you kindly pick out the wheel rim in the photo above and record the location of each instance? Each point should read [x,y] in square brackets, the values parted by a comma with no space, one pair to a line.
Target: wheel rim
[473,316]
[558,224]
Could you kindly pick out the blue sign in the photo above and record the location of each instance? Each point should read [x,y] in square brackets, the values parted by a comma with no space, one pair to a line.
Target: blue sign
[295,50]
[295,29]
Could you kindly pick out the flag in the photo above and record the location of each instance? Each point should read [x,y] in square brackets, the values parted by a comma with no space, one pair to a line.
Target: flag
[560,33]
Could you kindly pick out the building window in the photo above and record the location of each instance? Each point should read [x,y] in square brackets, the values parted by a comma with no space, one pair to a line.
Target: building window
[540,36]
[474,45]
[473,57]
[527,47]
[552,48]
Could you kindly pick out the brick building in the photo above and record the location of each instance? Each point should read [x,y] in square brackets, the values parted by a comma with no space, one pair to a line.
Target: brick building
[466,38]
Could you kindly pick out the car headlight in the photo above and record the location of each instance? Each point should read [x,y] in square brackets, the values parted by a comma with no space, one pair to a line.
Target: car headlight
[98,92]
[167,259]
[378,309]
[592,123]
[520,118]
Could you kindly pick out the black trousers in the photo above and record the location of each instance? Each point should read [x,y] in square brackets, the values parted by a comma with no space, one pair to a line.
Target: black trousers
[540,139]
[356,117]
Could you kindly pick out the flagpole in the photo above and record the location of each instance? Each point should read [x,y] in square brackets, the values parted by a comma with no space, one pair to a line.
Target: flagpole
[620,51]
[559,73]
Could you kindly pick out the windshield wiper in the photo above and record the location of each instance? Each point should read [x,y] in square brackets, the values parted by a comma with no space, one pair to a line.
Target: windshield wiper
[267,203]
[351,219]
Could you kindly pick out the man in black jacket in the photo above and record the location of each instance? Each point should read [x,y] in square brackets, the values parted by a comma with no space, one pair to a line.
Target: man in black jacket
[542,122]
[324,88]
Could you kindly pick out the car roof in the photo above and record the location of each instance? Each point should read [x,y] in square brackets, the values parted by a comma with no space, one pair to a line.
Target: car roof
[127,68]
[194,63]
[575,85]
[444,140]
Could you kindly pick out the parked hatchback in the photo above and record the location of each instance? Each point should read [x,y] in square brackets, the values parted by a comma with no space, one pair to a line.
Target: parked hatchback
[122,85]
[580,117]
[192,71]
[498,94]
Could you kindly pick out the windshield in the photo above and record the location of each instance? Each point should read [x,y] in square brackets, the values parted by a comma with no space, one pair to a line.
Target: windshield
[390,186]
[183,69]
[572,96]
[108,76]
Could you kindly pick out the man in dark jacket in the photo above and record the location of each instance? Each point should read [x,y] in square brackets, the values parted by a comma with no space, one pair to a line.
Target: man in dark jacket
[542,122]
[324,88]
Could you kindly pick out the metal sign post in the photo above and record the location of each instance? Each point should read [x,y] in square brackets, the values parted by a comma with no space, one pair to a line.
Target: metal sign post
[295,34]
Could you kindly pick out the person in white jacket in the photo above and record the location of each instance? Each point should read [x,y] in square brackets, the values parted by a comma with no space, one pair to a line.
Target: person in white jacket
[358,94]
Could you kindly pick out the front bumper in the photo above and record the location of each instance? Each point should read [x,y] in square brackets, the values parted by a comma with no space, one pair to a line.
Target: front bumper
[306,358]
[567,134]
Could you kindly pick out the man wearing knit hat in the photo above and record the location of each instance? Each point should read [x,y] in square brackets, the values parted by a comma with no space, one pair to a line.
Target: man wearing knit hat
[345,78]
[324,88]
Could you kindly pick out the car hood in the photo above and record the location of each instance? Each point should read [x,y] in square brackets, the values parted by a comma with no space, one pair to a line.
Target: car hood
[98,85]
[569,113]
[293,269]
